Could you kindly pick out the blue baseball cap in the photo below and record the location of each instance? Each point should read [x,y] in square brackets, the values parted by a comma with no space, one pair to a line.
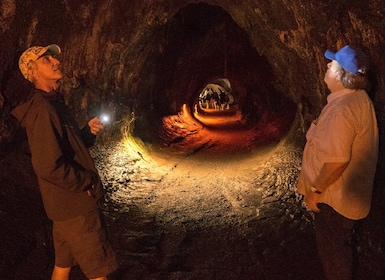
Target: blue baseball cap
[349,58]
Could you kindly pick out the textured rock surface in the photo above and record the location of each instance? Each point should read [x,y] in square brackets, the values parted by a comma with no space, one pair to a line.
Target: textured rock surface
[142,60]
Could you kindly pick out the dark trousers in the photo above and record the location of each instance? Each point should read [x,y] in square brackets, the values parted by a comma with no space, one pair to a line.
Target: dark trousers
[336,242]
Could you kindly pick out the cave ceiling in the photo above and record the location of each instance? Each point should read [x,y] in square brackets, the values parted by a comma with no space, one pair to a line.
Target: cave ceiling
[151,57]
[150,65]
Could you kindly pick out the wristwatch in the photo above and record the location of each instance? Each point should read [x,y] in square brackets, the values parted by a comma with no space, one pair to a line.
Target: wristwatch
[315,190]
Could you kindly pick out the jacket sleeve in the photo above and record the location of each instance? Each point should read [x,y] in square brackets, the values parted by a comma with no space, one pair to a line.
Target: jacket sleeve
[53,157]
[87,136]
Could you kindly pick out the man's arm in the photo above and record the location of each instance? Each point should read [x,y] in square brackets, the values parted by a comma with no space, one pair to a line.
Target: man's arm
[330,172]
[90,130]
[52,153]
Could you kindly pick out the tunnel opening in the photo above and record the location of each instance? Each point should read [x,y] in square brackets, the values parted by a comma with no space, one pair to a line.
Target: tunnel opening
[204,44]
[190,217]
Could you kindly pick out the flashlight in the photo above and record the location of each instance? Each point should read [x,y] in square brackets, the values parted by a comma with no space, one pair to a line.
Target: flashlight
[104,118]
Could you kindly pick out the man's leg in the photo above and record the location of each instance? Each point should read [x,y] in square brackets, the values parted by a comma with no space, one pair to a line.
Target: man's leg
[333,234]
[60,273]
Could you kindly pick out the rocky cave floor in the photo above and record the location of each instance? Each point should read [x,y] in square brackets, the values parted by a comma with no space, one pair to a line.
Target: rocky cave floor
[172,216]
[207,217]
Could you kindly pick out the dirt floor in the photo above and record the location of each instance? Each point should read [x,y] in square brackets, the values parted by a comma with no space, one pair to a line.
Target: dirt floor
[209,217]
[212,205]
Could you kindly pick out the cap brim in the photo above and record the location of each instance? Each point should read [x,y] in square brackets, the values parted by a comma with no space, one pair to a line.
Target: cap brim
[330,55]
[53,49]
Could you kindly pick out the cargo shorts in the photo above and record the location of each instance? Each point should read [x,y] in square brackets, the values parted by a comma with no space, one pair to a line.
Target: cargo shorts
[83,241]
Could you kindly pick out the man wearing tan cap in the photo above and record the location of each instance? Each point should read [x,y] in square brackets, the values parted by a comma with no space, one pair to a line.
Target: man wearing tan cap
[69,182]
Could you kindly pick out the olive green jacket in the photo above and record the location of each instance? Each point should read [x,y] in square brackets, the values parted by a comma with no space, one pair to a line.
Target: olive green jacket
[59,153]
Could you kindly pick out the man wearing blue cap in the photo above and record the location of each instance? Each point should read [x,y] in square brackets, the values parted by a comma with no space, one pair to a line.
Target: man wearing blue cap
[339,161]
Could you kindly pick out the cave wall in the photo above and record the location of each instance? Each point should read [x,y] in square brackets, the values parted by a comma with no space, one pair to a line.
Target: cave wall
[111,48]
[114,51]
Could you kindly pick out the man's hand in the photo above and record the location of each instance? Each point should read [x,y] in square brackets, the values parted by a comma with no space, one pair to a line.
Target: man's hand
[311,200]
[95,125]
[329,173]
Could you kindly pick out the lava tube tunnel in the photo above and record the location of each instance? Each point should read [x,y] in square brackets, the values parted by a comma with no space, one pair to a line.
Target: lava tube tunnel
[205,106]
[211,91]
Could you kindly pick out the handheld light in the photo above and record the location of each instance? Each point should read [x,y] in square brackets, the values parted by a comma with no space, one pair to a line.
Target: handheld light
[104,118]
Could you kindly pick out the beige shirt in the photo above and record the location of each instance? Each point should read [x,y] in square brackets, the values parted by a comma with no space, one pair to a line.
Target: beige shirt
[346,131]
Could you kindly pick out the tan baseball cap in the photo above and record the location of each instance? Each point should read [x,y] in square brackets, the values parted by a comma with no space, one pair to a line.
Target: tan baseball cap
[32,54]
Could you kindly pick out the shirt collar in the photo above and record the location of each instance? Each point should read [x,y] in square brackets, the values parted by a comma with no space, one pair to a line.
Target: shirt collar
[334,95]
